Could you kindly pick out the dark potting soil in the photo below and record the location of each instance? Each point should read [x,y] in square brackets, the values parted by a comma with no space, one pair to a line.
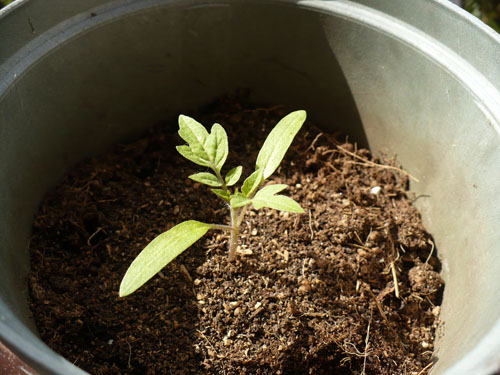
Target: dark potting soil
[308,294]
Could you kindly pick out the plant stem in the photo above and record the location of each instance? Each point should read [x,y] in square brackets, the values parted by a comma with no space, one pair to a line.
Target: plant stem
[221,227]
[219,176]
[237,215]
[235,220]
[233,241]
[241,215]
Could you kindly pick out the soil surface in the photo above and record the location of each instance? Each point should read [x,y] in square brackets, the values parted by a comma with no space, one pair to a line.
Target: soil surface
[308,294]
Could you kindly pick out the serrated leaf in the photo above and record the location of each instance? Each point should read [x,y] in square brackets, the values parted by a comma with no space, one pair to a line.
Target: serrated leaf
[278,141]
[233,175]
[222,193]
[161,251]
[188,154]
[211,148]
[252,183]
[278,202]
[239,200]
[206,178]
[194,134]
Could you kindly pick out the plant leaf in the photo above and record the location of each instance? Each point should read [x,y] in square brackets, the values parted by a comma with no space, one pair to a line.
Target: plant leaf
[239,200]
[194,134]
[278,141]
[222,193]
[270,190]
[188,154]
[233,175]
[161,251]
[216,146]
[208,148]
[206,178]
[221,146]
[252,183]
[278,202]
[266,197]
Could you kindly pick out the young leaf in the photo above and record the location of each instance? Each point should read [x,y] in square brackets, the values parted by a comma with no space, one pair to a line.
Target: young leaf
[211,149]
[221,146]
[206,178]
[266,197]
[270,190]
[278,141]
[161,251]
[233,175]
[278,202]
[252,183]
[239,200]
[222,193]
[190,155]
[194,134]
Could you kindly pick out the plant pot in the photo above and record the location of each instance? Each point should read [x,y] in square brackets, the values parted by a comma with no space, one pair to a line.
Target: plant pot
[417,79]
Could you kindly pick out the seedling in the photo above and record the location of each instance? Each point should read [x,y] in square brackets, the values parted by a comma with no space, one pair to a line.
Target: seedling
[210,151]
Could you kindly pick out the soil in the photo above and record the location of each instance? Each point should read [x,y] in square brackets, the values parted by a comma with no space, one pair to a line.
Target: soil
[308,294]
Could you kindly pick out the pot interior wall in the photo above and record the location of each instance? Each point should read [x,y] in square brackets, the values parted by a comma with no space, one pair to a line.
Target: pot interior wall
[105,74]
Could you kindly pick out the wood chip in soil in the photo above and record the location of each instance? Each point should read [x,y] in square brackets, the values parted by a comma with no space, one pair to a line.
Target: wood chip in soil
[350,287]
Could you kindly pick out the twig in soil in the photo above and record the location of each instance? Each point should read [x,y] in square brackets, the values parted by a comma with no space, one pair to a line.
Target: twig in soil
[357,353]
[378,300]
[311,146]
[93,235]
[367,342]
[310,225]
[186,273]
[379,306]
[376,165]
[402,248]
[328,164]
[129,353]
[395,278]
[430,302]
[432,250]
[359,239]
[420,196]
[426,368]
[393,265]
[256,312]
[359,246]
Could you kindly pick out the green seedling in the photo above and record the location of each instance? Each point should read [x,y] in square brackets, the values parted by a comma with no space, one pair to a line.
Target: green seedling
[210,150]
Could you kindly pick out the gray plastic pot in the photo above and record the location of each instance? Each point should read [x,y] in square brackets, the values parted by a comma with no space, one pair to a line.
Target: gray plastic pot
[416,78]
